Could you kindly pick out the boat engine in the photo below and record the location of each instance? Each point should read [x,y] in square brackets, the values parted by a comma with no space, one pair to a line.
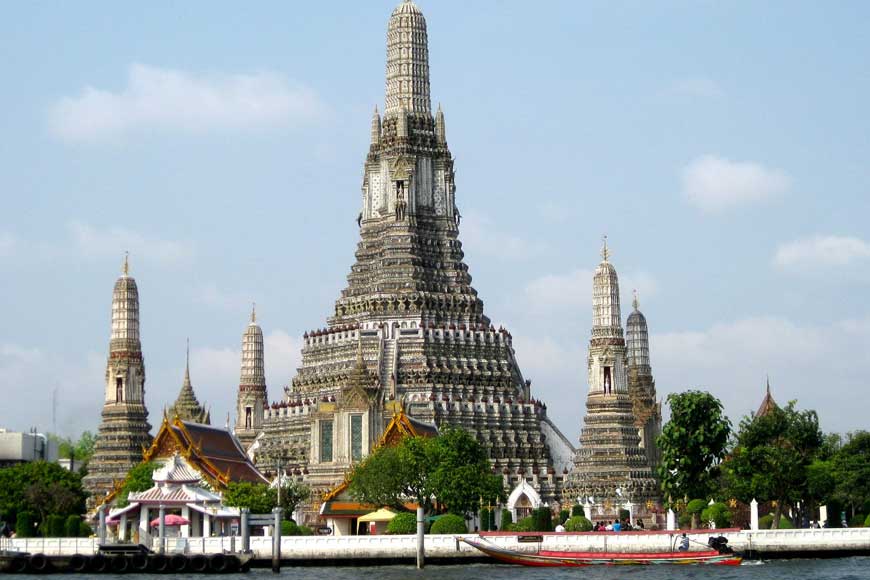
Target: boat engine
[720,544]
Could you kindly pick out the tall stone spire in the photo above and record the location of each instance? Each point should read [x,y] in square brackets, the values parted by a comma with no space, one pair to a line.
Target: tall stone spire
[252,396]
[186,407]
[641,385]
[124,429]
[610,465]
[407,62]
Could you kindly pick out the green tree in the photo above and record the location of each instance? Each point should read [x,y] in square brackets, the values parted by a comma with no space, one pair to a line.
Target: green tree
[260,498]
[40,488]
[771,459]
[718,513]
[449,524]
[138,479]
[452,467]
[692,444]
[403,523]
[850,471]
[578,524]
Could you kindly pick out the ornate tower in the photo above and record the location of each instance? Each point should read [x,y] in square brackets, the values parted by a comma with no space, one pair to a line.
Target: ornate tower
[252,397]
[409,316]
[610,466]
[641,386]
[186,407]
[124,430]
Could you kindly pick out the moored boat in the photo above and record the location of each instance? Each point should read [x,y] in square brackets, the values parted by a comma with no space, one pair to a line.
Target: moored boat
[553,558]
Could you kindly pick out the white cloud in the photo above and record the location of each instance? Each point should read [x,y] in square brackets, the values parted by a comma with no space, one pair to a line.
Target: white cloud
[174,100]
[481,234]
[696,87]
[8,242]
[820,252]
[113,241]
[28,376]
[215,297]
[732,359]
[714,183]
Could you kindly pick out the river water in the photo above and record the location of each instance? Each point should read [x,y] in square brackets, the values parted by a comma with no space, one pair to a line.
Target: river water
[833,569]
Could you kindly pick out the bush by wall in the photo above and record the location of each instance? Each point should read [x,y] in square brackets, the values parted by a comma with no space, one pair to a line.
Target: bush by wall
[85,530]
[564,515]
[53,526]
[403,523]
[542,519]
[857,521]
[526,524]
[578,524]
[289,528]
[718,513]
[24,525]
[449,524]
[867,522]
[305,531]
[484,520]
[507,519]
[577,510]
[73,527]
[766,522]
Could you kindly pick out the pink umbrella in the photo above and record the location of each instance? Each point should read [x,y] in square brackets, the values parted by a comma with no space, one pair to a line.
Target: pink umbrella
[170,520]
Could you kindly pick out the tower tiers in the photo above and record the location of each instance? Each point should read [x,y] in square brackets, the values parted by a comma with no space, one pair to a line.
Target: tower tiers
[409,332]
[611,466]
[252,398]
[124,429]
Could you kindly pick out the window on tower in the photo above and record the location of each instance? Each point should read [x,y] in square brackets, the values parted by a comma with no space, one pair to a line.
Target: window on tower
[607,382]
[249,419]
[356,437]
[326,441]
[119,389]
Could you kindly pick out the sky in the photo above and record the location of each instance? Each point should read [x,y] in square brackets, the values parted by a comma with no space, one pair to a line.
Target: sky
[721,146]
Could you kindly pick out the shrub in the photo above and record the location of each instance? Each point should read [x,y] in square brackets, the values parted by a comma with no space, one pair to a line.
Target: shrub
[484,520]
[24,525]
[717,513]
[507,519]
[857,521]
[449,524]
[305,531]
[867,522]
[85,530]
[696,506]
[564,515]
[542,520]
[766,522]
[53,526]
[403,523]
[526,524]
[289,528]
[624,515]
[578,524]
[73,527]
[577,510]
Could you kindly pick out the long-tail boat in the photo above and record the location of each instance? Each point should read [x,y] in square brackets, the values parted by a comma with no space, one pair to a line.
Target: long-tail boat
[555,558]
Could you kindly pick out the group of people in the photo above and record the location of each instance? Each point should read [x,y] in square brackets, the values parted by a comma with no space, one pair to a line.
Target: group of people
[617,526]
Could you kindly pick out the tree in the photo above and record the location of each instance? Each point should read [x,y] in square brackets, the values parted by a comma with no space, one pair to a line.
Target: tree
[78,452]
[40,488]
[138,479]
[451,467]
[692,444]
[772,456]
[850,471]
[260,498]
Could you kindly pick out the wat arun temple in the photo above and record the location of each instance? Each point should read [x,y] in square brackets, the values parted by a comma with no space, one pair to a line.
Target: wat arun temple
[409,334]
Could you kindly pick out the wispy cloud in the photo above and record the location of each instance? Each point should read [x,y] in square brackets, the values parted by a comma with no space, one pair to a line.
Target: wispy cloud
[821,252]
[8,242]
[699,87]
[166,99]
[481,234]
[91,241]
[715,184]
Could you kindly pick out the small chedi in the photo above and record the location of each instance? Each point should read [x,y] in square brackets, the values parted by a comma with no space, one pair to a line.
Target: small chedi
[186,407]
[612,469]
[409,332]
[124,431]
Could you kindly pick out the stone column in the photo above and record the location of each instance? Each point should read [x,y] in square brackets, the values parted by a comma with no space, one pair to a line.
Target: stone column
[144,531]
[185,529]
[122,528]
[630,507]
[206,525]
[587,510]
[753,515]
[672,520]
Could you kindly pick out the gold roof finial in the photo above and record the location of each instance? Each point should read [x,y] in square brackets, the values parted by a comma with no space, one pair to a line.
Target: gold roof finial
[635,302]
[605,253]
[126,267]
[253,312]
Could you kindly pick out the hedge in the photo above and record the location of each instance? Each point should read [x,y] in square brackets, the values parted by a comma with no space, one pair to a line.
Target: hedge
[507,519]
[403,523]
[289,528]
[578,524]
[564,515]
[718,513]
[526,524]
[766,522]
[577,510]
[24,525]
[857,521]
[53,526]
[449,524]
[73,527]
[867,522]
[543,519]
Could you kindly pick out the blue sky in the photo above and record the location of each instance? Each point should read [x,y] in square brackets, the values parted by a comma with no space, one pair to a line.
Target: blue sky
[721,146]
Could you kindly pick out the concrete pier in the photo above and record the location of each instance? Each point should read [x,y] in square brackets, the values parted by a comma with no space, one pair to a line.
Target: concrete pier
[299,550]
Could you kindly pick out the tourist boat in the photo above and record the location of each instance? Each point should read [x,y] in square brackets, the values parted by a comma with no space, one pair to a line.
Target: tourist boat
[554,558]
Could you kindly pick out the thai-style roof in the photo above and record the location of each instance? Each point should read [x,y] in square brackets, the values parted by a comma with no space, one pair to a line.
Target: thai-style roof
[767,403]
